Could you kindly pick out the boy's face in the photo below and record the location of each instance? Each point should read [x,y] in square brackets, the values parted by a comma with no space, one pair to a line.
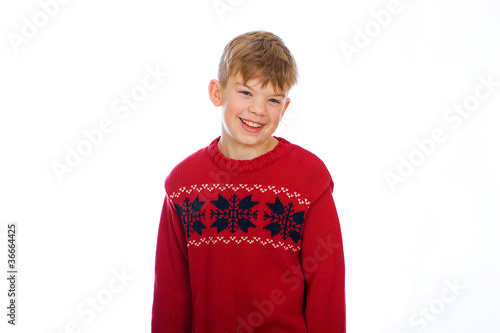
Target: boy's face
[250,113]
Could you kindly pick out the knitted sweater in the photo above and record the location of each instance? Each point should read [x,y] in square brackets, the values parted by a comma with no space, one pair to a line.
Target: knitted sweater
[249,246]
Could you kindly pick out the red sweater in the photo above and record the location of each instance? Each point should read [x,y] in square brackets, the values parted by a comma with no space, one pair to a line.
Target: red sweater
[249,246]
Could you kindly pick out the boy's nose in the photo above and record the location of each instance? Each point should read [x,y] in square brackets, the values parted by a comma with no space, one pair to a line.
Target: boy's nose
[257,107]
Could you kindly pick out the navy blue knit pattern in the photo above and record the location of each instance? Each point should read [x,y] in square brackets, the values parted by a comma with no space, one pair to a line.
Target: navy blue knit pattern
[284,220]
[233,213]
[191,215]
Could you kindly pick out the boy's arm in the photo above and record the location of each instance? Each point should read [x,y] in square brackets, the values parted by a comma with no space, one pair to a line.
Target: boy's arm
[323,265]
[172,307]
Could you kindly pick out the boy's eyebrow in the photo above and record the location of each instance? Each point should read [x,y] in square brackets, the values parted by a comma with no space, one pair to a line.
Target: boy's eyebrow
[244,85]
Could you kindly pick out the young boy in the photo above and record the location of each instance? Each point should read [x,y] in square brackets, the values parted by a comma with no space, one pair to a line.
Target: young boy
[249,239]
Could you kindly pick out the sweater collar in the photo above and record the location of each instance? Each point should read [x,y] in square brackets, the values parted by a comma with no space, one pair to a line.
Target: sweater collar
[247,165]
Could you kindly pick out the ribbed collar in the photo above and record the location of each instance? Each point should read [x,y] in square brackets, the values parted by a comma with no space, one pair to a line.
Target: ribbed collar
[247,165]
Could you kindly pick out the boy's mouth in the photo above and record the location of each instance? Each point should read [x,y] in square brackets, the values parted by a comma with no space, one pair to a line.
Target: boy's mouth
[251,124]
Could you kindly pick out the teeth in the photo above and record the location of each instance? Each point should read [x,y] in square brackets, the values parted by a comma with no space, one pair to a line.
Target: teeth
[249,123]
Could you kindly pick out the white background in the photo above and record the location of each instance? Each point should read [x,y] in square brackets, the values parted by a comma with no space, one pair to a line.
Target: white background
[361,114]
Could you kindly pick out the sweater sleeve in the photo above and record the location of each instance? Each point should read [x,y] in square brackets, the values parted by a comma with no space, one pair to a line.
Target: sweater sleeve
[172,306]
[323,267]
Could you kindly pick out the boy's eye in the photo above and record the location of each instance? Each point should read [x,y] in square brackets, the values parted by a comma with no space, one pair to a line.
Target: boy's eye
[245,93]
[275,101]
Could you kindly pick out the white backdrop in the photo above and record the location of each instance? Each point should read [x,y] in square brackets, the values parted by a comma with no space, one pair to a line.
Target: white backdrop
[400,99]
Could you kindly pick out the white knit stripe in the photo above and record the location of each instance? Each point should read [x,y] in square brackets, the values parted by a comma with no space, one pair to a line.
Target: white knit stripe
[242,239]
[255,187]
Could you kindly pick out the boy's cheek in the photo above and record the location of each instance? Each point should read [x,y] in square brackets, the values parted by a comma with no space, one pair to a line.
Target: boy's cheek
[235,107]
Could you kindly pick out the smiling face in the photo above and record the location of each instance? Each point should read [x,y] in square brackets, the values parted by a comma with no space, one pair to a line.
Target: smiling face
[250,115]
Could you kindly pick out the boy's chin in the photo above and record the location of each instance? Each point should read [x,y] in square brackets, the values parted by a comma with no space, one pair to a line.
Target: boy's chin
[254,140]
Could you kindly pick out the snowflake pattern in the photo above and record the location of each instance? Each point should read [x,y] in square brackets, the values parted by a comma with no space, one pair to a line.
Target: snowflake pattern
[233,213]
[284,220]
[191,215]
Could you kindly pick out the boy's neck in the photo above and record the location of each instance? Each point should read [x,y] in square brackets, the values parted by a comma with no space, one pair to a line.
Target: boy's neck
[236,151]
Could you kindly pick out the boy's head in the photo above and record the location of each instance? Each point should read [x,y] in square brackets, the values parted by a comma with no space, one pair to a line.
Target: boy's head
[259,55]
[256,72]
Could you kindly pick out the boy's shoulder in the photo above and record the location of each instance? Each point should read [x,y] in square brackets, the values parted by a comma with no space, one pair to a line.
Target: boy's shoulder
[188,168]
[308,158]
[309,167]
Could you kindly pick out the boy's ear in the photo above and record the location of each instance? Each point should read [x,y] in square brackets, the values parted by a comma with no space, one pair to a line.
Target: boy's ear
[285,106]
[214,92]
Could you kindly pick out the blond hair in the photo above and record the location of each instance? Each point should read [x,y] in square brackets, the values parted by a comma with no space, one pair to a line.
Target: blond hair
[259,55]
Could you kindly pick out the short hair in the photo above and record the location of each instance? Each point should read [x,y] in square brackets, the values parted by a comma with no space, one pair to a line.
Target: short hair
[259,55]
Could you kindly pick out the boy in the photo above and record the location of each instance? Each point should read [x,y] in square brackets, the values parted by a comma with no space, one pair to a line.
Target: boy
[249,239]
